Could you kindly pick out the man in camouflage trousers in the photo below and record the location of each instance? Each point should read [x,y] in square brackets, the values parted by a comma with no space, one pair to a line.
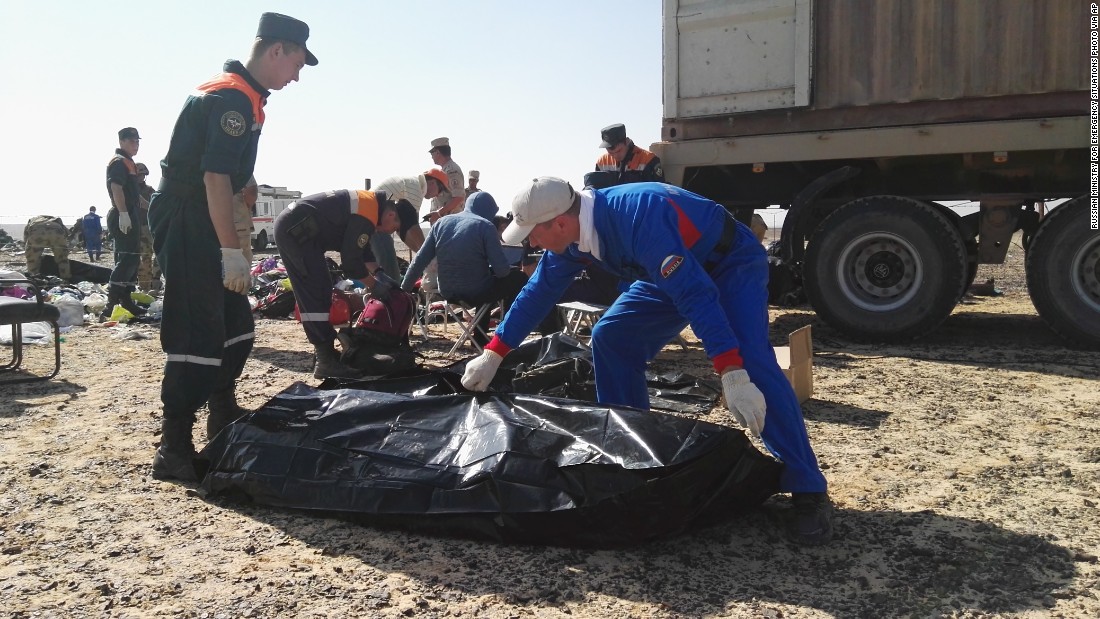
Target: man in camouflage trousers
[148,274]
[44,231]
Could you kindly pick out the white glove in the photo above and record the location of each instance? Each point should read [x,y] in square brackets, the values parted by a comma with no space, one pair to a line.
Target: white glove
[480,372]
[744,400]
[235,273]
[124,223]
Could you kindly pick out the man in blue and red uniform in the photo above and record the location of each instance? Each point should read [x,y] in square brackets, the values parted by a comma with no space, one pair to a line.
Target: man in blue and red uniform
[690,263]
[343,221]
[207,328]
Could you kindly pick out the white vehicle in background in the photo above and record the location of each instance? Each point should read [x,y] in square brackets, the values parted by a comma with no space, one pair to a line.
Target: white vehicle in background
[270,201]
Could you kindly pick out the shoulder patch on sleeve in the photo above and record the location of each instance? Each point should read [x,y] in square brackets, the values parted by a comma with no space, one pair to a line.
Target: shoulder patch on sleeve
[670,264]
[232,123]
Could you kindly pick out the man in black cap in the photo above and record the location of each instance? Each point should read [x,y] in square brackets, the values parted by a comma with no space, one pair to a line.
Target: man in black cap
[624,162]
[208,335]
[123,222]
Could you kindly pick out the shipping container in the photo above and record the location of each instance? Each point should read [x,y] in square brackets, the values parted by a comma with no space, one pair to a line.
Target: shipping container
[863,117]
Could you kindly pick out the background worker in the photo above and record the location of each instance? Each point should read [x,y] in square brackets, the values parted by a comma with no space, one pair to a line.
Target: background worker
[244,204]
[624,162]
[124,223]
[92,224]
[148,272]
[471,185]
[472,266]
[452,199]
[412,189]
[207,329]
[690,263]
[44,231]
[343,221]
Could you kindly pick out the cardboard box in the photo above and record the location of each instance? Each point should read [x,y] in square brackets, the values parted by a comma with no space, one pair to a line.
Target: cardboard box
[797,362]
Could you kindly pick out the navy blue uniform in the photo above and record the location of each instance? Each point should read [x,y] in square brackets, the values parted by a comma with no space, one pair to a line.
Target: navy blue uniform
[123,171]
[206,330]
[343,221]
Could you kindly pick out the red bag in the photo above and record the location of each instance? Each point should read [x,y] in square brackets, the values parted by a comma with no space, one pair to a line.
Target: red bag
[388,322]
[340,312]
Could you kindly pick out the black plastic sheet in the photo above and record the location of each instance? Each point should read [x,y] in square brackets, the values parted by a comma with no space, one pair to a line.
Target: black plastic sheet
[510,468]
[555,365]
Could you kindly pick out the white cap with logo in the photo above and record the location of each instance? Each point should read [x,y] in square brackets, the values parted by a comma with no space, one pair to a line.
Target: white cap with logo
[544,199]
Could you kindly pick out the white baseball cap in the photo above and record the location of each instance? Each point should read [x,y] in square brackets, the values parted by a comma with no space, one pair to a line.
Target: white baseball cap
[544,199]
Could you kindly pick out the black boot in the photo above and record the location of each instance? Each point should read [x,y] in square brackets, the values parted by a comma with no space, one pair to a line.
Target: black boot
[813,518]
[175,458]
[112,298]
[223,411]
[328,364]
[127,302]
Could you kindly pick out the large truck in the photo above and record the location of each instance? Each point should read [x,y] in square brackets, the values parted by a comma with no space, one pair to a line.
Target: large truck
[270,201]
[866,119]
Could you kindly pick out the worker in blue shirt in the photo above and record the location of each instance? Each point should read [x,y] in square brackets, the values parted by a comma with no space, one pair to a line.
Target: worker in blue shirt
[690,263]
[93,234]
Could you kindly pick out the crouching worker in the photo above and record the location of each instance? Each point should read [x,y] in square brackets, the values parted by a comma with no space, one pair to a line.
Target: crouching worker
[690,263]
[472,265]
[341,221]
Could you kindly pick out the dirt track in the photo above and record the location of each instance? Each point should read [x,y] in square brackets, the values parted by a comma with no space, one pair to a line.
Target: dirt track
[965,468]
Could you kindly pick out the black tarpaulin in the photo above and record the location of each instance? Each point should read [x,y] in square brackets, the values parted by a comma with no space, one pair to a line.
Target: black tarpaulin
[555,365]
[510,468]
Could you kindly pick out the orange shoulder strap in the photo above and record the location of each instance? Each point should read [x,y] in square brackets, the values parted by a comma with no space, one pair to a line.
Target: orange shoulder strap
[236,82]
[130,166]
[365,204]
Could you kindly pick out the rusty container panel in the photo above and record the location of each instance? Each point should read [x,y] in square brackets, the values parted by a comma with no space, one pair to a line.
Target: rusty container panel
[869,52]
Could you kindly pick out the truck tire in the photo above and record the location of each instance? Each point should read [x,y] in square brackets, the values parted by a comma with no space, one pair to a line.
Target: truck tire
[885,268]
[260,242]
[1063,273]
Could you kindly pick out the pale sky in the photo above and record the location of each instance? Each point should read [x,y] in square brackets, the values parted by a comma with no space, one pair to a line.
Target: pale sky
[520,88]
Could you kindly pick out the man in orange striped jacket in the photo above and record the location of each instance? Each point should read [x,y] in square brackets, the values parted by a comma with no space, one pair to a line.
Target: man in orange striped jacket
[207,329]
[624,162]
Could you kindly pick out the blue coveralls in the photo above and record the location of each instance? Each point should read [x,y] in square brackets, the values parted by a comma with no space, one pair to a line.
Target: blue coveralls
[207,331]
[663,239]
[93,235]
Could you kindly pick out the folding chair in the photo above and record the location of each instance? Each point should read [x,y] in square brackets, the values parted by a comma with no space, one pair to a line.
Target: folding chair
[578,315]
[16,312]
[426,299]
[472,324]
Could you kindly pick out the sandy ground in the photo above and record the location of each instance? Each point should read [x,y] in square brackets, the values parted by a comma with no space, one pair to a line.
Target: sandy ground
[965,468]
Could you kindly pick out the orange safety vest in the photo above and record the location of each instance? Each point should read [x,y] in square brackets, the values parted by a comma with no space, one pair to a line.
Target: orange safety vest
[237,82]
[365,204]
[639,159]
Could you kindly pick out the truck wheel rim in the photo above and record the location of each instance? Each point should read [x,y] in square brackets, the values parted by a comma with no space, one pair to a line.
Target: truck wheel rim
[1086,273]
[879,272]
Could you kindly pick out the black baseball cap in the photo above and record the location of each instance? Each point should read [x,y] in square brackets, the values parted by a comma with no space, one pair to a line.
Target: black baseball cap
[286,28]
[612,135]
[128,133]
